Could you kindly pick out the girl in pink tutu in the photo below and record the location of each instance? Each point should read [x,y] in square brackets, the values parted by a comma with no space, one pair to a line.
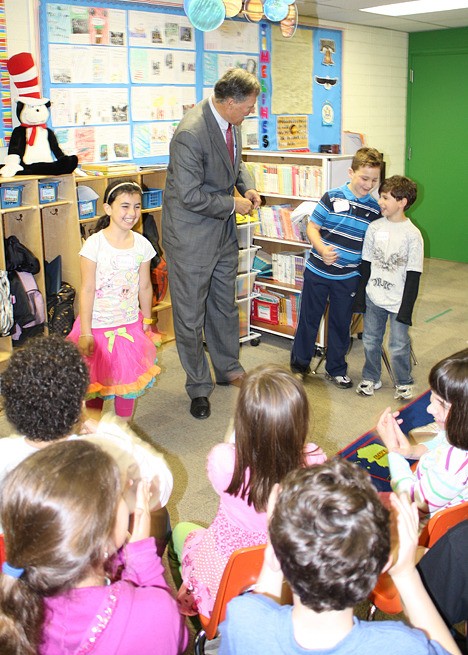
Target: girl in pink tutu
[113,328]
[271,426]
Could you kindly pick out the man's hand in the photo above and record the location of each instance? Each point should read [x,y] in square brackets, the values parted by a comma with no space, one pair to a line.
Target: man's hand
[242,205]
[254,197]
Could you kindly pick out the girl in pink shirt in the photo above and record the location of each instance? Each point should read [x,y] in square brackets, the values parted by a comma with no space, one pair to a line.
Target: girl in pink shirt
[271,425]
[67,586]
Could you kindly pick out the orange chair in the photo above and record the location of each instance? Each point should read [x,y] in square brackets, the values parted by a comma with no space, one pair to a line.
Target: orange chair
[242,571]
[385,596]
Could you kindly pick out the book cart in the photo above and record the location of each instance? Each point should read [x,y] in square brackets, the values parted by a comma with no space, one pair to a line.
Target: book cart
[284,180]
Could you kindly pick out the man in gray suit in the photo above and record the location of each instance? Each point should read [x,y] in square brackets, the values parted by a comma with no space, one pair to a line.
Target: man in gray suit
[199,233]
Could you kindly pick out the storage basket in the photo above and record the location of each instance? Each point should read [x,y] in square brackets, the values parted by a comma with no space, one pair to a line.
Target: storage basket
[244,284]
[152,198]
[11,195]
[48,192]
[87,208]
[246,258]
[265,311]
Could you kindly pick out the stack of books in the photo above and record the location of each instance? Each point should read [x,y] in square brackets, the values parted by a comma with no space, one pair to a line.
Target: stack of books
[287,179]
[288,267]
[104,168]
[276,223]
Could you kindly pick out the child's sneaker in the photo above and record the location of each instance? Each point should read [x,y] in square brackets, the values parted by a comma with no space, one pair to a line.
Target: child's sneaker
[367,387]
[404,391]
[341,381]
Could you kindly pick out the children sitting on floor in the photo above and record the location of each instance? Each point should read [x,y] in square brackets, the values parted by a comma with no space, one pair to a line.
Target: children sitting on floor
[330,539]
[441,477]
[43,391]
[66,528]
[271,427]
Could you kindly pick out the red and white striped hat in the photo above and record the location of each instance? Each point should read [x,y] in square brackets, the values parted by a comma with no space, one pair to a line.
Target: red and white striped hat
[24,74]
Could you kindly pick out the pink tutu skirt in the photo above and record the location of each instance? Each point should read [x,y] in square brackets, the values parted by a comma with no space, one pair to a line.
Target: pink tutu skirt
[124,360]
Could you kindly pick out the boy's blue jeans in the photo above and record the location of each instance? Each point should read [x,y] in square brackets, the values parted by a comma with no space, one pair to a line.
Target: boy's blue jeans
[375,322]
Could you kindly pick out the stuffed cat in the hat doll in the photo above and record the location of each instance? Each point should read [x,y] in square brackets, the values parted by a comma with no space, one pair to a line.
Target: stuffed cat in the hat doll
[33,148]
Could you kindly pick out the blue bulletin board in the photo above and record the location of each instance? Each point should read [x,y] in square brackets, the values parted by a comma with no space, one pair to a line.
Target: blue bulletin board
[121,75]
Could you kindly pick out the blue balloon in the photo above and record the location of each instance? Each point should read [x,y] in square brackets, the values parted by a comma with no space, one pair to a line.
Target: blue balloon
[275,10]
[205,15]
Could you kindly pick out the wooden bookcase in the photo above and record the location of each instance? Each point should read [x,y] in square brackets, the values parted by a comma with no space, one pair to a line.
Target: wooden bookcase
[332,171]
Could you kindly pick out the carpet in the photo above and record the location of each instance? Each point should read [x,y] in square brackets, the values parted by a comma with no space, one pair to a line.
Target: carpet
[369,453]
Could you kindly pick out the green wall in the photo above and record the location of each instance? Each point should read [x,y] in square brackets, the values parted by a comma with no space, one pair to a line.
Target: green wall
[437,134]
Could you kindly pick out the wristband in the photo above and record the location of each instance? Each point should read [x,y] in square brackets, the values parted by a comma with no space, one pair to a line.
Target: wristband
[147,321]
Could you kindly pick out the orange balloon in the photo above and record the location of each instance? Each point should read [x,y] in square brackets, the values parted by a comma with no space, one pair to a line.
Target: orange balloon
[233,7]
[253,10]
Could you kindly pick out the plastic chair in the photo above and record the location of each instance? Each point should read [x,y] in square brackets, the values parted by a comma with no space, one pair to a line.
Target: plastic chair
[385,596]
[242,571]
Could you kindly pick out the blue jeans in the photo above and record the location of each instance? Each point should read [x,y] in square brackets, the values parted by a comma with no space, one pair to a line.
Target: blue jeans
[375,322]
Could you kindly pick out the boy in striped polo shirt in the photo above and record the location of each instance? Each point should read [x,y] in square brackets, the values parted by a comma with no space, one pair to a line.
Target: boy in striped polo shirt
[336,231]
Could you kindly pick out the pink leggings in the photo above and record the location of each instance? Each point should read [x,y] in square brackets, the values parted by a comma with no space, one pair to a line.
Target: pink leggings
[123,406]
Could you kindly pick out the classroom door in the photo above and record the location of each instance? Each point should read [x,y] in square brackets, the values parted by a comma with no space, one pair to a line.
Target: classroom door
[437,139]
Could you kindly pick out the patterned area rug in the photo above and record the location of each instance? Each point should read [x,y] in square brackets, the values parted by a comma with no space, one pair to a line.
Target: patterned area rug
[367,451]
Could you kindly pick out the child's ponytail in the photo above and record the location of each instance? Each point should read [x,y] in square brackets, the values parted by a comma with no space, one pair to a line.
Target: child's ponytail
[21,617]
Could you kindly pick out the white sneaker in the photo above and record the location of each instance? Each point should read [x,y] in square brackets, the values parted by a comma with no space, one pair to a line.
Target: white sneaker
[367,387]
[403,391]
[341,381]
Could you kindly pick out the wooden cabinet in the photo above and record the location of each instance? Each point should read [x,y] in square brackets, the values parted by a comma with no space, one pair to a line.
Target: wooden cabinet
[287,179]
[54,228]
[48,228]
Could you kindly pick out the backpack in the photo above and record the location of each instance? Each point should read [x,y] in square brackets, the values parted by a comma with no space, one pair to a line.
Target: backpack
[20,258]
[6,307]
[28,306]
[60,310]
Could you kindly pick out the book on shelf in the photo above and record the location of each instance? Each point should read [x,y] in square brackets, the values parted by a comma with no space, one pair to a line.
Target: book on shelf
[288,305]
[276,223]
[288,267]
[103,167]
[286,179]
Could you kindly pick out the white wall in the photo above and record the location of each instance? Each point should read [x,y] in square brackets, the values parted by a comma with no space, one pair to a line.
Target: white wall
[375,63]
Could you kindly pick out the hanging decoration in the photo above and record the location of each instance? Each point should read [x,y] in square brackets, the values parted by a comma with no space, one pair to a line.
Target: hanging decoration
[208,15]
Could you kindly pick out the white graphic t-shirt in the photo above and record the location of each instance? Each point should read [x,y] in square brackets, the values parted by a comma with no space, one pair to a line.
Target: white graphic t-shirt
[117,278]
[393,249]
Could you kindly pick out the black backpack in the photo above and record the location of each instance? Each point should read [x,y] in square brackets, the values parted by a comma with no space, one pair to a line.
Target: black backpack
[60,311]
[20,258]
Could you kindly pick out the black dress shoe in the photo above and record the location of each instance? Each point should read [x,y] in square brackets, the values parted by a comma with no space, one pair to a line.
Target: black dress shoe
[200,407]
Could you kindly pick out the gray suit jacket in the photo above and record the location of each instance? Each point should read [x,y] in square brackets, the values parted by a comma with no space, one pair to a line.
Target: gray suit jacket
[198,197]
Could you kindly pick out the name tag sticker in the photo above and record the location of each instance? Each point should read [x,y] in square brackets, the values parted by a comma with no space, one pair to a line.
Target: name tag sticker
[341,205]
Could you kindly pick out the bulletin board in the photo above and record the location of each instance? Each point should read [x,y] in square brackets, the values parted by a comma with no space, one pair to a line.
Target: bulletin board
[121,75]
[6,123]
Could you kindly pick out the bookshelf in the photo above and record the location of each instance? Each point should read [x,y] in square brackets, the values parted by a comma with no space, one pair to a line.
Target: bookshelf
[284,180]
[151,178]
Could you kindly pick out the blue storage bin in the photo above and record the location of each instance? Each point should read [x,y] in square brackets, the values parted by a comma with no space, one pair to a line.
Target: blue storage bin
[48,192]
[87,208]
[11,195]
[152,198]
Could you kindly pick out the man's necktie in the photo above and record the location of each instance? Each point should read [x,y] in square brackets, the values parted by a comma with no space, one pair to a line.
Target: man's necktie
[230,142]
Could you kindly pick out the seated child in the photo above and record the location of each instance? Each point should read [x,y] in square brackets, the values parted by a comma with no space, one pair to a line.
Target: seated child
[441,477]
[444,572]
[65,522]
[271,425]
[330,539]
[43,391]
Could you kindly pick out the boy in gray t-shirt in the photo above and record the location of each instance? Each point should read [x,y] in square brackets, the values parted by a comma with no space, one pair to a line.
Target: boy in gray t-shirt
[392,263]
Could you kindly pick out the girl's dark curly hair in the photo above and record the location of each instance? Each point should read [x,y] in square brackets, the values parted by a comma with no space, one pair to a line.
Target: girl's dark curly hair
[43,388]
